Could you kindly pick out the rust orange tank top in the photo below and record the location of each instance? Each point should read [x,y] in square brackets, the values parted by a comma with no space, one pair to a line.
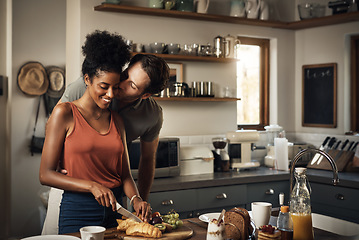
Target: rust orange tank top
[93,156]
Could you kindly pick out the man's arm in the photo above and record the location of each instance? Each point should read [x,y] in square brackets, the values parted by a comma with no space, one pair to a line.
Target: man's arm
[146,169]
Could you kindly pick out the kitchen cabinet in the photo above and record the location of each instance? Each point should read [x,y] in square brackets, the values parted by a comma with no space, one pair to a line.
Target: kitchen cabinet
[335,201]
[296,25]
[194,202]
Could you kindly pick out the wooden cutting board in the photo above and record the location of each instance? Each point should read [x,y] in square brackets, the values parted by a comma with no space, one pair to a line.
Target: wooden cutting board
[183,232]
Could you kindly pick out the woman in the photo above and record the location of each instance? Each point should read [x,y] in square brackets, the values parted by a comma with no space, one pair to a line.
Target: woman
[89,140]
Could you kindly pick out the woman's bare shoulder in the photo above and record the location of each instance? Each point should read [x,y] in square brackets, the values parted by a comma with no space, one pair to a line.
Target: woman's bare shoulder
[62,111]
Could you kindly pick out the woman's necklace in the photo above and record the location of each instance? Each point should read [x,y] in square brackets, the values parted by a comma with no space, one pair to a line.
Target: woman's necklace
[97,117]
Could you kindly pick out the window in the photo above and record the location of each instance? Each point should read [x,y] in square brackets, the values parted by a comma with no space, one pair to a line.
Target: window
[253,83]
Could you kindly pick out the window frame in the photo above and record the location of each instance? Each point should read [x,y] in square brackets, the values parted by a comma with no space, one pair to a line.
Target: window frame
[264,82]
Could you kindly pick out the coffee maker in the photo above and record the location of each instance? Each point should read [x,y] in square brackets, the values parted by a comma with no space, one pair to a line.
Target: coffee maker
[221,157]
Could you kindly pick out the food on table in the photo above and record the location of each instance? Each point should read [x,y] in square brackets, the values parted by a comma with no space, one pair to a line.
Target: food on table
[215,230]
[134,228]
[160,226]
[155,220]
[144,229]
[237,224]
[268,232]
[172,218]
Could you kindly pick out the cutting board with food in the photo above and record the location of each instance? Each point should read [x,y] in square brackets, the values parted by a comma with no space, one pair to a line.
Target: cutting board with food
[181,233]
[165,227]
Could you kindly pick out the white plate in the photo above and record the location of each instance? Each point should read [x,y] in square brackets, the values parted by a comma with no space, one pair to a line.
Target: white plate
[208,217]
[51,237]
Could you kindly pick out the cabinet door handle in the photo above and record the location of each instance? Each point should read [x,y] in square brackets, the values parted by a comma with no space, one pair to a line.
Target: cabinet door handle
[167,202]
[221,196]
[339,196]
[270,191]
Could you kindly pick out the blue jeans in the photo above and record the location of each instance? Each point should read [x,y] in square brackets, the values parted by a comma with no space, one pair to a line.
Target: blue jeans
[81,209]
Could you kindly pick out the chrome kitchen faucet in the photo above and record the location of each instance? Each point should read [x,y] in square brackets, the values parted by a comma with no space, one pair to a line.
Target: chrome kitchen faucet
[324,154]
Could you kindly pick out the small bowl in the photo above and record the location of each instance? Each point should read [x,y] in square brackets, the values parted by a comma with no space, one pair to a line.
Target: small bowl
[157,47]
[311,10]
[173,48]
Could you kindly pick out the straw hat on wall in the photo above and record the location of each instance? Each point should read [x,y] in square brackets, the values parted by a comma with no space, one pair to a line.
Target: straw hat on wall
[32,79]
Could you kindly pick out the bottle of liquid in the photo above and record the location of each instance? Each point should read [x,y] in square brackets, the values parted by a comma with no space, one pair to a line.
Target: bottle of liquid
[300,207]
[285,224]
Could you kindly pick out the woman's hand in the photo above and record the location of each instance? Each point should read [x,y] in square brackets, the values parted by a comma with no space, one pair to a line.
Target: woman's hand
[143,209]
[103,195]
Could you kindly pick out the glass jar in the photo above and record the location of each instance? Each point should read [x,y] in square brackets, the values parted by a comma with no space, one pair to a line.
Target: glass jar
[285,224]
[300,207]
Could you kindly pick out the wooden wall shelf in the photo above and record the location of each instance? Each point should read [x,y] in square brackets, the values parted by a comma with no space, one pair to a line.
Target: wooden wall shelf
[179,57]
[195,99]
[310,23]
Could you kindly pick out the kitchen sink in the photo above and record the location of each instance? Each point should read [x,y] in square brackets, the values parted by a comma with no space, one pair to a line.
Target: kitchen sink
[335,225]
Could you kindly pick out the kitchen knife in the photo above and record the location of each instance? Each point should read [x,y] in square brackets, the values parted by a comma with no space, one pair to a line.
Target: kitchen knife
[349,146]
[337,145]
[317,155]
[330,145]
[341,150]
[123,211]
[354,147]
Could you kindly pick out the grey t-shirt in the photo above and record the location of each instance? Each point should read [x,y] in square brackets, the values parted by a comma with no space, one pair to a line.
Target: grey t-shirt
[143,118]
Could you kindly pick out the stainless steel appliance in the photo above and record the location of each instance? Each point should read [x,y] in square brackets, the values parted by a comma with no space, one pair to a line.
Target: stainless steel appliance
[167,157]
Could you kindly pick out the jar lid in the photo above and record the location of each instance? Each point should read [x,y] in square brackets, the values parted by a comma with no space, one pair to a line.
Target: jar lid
[300,170]
[284,209]
[273,128]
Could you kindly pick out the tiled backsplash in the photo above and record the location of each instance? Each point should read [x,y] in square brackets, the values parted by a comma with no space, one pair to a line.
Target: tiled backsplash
[309,138]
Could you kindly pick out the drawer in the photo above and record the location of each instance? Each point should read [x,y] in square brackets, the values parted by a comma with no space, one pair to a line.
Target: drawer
[336,196]
[218,197]
[180,201]
[268,192]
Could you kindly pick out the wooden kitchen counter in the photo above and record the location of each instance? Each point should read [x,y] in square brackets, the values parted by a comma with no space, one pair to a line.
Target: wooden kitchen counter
[200,231]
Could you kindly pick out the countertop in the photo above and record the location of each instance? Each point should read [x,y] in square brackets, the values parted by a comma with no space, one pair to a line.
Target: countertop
[261,174]
[200,232]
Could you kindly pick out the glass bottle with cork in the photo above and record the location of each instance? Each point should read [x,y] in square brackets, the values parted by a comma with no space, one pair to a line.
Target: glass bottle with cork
[300,207]
[285,224]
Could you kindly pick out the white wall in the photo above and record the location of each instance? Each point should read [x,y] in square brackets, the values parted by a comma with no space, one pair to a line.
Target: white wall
[185,118]
[310,49]
[38,34]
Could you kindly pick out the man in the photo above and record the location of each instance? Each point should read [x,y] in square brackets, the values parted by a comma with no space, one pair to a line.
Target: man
[146,75]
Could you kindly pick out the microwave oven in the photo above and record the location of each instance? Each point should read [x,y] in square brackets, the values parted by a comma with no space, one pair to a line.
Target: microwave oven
[167,157]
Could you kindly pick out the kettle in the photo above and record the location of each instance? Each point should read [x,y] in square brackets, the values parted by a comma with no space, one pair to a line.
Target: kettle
[202,5]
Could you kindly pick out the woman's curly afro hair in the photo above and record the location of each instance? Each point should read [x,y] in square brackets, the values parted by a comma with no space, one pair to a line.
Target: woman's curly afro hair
[104,51]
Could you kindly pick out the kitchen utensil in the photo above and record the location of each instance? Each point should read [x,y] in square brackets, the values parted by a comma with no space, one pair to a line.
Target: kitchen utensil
[221,155]
[202,5]
[205,89]
[198,224]
[196,160]
[229,42]
[252,8]
[218,49]
[310,10]
[341,150]
[147,48]
[178,89]
[263,10]
[261,212]
[137,47]
[221,216]
[157,47]
[123,211]
[170,4]
[317,155]
[155,3]
[184,5]
[238,8]
[173,48]
[92,233]
[330,145]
